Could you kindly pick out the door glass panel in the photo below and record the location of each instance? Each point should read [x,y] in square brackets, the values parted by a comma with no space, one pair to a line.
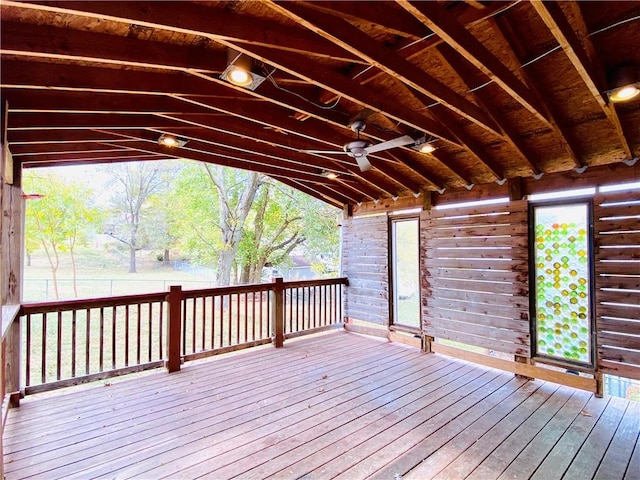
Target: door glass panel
[406,272]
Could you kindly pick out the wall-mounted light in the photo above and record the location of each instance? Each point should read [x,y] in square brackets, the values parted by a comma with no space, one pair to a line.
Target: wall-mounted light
[329,174]
[171,141]
[240,71]
[625,83]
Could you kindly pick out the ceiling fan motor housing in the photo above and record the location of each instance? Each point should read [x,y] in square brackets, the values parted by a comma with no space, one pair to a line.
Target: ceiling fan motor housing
[356,148]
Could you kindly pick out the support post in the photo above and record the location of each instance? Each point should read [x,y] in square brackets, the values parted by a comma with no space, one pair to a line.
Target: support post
[174,328]
[11,255]
[278,312]
[426,343]
[599,377]
[526,361]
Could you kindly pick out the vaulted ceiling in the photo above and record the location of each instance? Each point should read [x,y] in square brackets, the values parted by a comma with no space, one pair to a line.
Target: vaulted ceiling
[501,89]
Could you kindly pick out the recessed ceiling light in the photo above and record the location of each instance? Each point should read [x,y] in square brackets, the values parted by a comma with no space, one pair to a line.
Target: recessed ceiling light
[624,94]
[171,141]
[329,174]
[624,83]
[239,76]
[427,148]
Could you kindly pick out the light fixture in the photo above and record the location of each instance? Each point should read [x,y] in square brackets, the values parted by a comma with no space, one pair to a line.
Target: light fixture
[329,174]
[240,72]
[625,83]
[171,141]
[424,145]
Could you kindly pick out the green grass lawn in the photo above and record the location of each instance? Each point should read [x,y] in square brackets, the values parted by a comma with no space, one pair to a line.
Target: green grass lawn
[101,274]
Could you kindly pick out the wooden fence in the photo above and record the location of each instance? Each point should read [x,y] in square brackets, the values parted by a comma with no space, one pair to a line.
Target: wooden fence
[71,342]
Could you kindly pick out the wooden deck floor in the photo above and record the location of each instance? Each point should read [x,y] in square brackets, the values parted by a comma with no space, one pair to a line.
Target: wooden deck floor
[332,406]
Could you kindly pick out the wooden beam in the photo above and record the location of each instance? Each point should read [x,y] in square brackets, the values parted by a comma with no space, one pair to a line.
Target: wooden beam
[31,40]
[591,74]
[503,27]
[455,34]
[463,70]
[355,41]
[193,18]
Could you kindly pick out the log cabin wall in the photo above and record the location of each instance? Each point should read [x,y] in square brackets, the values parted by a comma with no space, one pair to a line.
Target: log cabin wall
[475,268]
[475,276]
[617,295]
[365,262]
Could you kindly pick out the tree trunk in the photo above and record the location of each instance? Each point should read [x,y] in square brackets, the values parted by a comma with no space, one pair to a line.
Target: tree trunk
[245,275]
[225,263]
[132,259]
[28,259]
[165,258]
[74,273]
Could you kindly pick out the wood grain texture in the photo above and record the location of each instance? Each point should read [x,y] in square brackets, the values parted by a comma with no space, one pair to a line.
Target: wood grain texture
[370,409]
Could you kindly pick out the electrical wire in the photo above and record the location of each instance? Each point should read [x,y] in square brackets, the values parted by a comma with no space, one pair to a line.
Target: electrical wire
[323,107]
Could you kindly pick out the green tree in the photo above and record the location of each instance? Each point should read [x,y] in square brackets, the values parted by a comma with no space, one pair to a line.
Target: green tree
[60,220]
[241,220]
[133,184]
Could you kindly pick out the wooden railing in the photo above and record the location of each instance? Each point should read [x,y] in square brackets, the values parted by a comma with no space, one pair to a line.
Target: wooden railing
[71,342]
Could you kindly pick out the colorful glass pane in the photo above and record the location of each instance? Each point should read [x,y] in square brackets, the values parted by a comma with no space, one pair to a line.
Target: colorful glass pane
[562,282]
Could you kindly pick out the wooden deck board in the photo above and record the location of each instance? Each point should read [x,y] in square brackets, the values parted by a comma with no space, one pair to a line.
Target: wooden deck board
[338,405]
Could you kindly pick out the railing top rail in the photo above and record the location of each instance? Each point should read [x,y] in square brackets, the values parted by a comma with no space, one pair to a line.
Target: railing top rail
[321,281]
[45,307]
[207,292]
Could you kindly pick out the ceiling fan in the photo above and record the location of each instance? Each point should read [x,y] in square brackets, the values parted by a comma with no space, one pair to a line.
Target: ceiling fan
[359,149]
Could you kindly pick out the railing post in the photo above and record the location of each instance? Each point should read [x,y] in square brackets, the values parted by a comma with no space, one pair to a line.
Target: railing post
[174,328]
[278,312]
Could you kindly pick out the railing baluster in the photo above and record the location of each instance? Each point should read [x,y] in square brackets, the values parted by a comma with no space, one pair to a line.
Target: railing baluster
[161,333]
[73,343]
[27,375]
[253,315]
[126,335]
[139,334]
[113,336]
[213,321]
[150,337]
[183,313]
[87,344]
[101,340]
[221,297]
[246,318]
[193,326]
[203,316]
[59,348]
[43,360]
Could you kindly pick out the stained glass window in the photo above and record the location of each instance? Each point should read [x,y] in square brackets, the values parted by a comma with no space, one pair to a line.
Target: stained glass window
[562,282]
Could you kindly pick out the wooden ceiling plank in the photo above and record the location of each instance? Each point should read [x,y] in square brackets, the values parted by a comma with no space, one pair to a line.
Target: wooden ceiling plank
[195,19]
[511,136]
[352,39]
[504,28]
[223,159]
[363,95]
[448,119]
[63,43]
[592,75]
[318,193]
[455,34]
[99,161]
[409,49]
[375,13]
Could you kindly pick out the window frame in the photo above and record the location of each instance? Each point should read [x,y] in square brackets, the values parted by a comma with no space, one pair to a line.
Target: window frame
[393,323]
[533,322]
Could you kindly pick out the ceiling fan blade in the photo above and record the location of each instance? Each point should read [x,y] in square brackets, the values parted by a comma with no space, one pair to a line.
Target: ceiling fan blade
[363,163]
[322,151]
[396,142]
